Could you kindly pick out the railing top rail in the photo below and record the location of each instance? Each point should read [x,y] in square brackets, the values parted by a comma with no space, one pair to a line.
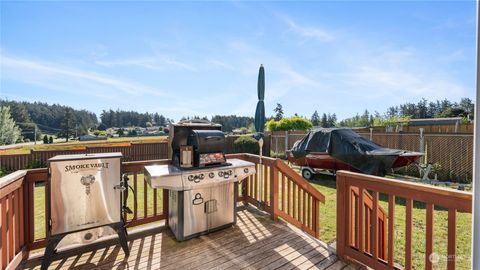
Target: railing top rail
[445,197]
[12,177]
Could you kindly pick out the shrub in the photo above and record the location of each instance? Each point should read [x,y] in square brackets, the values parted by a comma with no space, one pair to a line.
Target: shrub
[50,139]
[45,139]
[132,132]
[280,155]
[246,144]
[36,163]
[292,123]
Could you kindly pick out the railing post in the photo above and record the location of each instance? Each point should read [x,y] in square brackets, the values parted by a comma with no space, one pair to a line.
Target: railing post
[286,141]
[316,218]
[274,189]
[341,214]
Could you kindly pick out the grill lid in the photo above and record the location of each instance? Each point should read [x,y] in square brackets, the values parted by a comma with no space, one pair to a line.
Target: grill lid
[207,141]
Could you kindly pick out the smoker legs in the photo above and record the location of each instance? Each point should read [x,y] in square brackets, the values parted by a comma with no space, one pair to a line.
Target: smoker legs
[50,250]
[122,236]
[53,241]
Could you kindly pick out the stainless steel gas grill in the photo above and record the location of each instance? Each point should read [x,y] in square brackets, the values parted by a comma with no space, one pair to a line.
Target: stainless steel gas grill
[84,193]
[203,193]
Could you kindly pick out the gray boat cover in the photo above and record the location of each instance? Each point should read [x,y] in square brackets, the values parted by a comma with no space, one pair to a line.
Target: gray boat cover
[350,148]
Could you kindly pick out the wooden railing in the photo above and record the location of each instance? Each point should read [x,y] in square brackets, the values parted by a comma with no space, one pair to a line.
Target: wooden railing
[365,224]
[351,233]
[294,199]
[12,220]
[275,188]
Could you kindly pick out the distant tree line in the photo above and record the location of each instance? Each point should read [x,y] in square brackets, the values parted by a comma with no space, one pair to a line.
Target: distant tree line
[431,109]
[231,122]
[326,121]
[422,109]
[121,118]
[49,118]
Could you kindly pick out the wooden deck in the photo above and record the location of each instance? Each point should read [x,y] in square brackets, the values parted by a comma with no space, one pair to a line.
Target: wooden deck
[256,242]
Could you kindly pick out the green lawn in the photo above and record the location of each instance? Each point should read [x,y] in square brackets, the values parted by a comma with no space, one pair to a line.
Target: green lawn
[326,185]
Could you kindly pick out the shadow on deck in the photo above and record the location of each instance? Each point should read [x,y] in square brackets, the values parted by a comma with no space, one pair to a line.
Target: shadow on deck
[255,242]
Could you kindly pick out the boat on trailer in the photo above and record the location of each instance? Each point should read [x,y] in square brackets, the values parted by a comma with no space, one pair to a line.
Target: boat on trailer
[333,149]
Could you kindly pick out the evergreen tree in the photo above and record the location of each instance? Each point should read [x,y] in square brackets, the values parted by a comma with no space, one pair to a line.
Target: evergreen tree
[9,131]
[19,113]
[315,119]
[324,121]
[278,112]
[68,124]
[331,120]
[45,139]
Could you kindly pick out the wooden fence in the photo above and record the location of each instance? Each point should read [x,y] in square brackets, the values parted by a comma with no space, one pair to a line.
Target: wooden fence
[433,129]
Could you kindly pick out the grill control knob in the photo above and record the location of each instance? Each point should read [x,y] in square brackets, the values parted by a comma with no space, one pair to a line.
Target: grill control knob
[202,176]
[191,177]
[245,170]
[220,173]
[230,172]
[211,175]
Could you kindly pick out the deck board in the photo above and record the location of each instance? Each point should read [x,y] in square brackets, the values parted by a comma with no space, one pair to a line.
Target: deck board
[255,242]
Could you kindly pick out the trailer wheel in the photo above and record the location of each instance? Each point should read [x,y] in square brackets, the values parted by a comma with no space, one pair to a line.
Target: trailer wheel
[307,174]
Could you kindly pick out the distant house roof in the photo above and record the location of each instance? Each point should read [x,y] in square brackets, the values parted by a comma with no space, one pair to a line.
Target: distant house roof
[91,138]
[434,121]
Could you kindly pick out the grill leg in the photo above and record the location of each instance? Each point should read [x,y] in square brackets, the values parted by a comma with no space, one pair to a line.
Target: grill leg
[122,236]
[50,250]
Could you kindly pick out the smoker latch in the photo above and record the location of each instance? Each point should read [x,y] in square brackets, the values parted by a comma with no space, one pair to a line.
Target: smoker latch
[120,187]
[211,206]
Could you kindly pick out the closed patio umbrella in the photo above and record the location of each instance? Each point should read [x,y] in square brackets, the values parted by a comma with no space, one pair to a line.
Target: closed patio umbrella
[260,111]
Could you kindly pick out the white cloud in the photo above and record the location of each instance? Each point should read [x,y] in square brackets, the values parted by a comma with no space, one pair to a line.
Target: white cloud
[157,63]
[309,32]
[66,78]
[220,64]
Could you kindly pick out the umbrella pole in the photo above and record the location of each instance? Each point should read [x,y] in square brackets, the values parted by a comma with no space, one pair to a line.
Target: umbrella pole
[260,177]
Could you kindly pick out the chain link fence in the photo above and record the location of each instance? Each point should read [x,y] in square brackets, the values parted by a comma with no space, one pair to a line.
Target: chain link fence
[451,155]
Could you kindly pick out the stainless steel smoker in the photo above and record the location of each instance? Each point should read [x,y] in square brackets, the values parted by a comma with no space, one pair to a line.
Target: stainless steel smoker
[84,193]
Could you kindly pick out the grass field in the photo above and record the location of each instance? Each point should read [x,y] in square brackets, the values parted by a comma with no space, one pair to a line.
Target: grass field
[327,186]
[25,149]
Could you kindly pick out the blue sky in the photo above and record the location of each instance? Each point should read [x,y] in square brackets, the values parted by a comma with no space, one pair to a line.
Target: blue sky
[202,58]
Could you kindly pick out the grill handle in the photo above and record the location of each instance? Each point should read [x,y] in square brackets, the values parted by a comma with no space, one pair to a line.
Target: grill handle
[213,137]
